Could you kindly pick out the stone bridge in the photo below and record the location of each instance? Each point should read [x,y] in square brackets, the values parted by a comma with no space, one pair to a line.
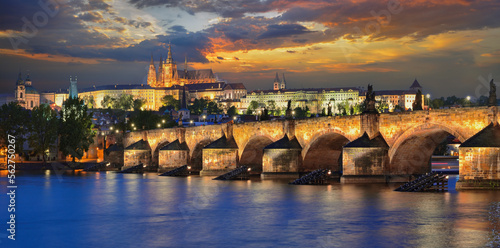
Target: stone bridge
[395,144]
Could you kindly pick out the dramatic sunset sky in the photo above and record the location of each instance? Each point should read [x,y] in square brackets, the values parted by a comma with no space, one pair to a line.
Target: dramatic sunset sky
[451,46]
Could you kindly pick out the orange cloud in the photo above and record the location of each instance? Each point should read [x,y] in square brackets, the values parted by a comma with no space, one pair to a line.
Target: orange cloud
[51,57]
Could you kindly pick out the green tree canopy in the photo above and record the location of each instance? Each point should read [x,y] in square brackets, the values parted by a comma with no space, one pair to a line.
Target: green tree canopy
[170,102]
[75,128]
[13,121]
[42,129]
[252,107]
[232,111]
[138,103]
[108,102]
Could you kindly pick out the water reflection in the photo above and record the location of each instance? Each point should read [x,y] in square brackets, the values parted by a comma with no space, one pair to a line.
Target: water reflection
[107,209]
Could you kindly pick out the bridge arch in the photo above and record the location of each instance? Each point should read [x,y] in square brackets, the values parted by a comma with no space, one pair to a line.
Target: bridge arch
[412,149]
[253,151]
[196,153]
[324,151]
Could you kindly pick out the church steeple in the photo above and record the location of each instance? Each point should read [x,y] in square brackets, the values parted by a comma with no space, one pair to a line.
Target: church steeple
[159,81]
[152,73]
[276,82]
[283,83]
[20,80]
[169,58]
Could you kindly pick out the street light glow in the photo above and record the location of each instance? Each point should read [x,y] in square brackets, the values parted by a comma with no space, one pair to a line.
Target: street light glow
[159,125]
[468,98]
[428,95]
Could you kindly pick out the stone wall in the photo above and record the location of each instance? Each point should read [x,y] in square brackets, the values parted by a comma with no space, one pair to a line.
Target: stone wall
[281,160]
[171,159]
[220,159]
[372,161]
[479,163]
[135,157]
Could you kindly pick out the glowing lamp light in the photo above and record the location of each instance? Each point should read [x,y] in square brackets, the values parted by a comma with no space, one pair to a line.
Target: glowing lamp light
[159,125]
[189,167]
[132,124]
[163,121]
[468,98]
[249,169]
[293,112]
[117,131]
[111,128]
[191,121]
[144,166]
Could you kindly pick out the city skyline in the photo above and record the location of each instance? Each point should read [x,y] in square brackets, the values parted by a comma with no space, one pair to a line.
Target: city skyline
[449,46]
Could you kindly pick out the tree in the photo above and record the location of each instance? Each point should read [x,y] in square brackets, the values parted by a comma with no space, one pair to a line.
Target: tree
[271,105]
[171,102]
[42,129]
[198,106]
[138,103]
[252,107]
[382,106]
[107,102]
[89,101]
[14,122]
[232,111]
[437,103]
[125,102]
[76,134]
[300,113]
[213,108]
[149,120]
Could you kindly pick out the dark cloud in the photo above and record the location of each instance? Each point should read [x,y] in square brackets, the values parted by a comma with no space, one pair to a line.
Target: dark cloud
[91,17]
[288,51]
[283,30]
[236,58]
[178,28]
[220,58]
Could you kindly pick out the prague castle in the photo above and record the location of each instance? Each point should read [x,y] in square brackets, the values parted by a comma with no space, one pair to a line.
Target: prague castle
[168,75]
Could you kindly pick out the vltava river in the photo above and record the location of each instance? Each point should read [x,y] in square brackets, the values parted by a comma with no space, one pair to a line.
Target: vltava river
[106,209]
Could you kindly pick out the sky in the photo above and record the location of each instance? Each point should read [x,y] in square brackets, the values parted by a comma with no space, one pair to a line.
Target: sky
[451,46]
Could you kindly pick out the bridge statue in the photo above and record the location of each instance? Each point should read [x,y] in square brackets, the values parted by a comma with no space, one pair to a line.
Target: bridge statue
[492,101]
[370,101]
[288,112]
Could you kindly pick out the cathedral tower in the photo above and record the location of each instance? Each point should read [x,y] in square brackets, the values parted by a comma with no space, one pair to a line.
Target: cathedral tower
[159,81]
[276,82]
[169,70]
[152,73]
[283,83]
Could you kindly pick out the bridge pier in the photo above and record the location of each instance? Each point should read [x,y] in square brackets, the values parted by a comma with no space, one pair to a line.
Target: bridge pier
[479,160]
[365,160]
[172,156]
[282,159]
[138,152]
[219,157]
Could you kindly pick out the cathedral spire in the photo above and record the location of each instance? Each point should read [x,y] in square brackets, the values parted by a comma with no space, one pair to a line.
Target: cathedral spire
[151,59]
[276,85]
[283,83]
[169,58]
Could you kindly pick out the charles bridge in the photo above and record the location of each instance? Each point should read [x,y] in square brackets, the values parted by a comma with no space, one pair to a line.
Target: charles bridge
[365,148]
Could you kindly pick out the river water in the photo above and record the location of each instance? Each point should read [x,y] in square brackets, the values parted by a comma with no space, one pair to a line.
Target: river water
[107,209]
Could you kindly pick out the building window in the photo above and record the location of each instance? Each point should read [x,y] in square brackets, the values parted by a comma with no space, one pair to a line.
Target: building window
[31,104]
[20,95]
